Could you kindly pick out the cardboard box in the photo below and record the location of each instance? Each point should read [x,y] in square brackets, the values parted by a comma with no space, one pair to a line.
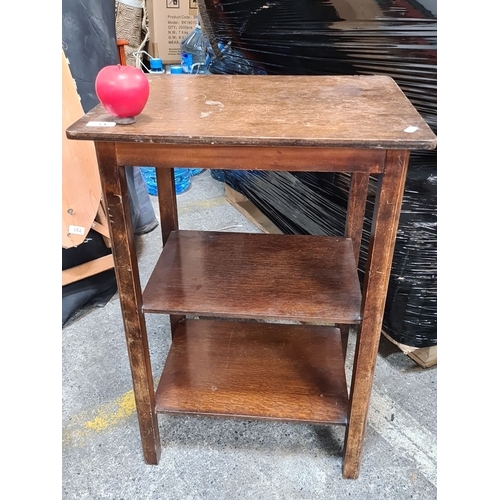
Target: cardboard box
[169,22]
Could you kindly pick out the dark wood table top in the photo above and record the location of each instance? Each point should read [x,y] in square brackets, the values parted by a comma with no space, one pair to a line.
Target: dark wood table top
[274,111]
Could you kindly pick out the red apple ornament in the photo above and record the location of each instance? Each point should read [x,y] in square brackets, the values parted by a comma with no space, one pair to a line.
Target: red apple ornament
[123,91]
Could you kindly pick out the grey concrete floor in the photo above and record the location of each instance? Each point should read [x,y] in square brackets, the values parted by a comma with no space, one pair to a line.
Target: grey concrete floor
[217,458]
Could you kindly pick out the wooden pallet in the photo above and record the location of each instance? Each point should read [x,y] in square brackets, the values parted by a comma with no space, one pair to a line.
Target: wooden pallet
[250,211]
[425,357]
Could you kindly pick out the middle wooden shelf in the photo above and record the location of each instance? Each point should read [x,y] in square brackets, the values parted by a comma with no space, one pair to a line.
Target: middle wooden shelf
[256,276]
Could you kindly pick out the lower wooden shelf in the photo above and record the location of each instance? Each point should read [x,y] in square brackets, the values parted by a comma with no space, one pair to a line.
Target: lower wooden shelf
[255,370]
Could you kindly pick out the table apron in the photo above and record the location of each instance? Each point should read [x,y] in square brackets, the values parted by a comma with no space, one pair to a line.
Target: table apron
[299,159]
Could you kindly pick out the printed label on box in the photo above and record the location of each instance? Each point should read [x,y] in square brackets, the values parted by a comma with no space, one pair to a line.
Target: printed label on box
[169,22]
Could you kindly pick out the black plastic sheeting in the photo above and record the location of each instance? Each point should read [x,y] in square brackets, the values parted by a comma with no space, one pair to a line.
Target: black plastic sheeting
[397,38]
[89,43]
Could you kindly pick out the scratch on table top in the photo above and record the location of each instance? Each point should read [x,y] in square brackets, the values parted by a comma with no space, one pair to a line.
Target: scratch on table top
[214,103]
[229,349]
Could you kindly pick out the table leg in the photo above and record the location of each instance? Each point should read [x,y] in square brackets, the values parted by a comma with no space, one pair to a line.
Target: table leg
[381,248]
[116,197]
[356,207]
[169,219]
[167,201]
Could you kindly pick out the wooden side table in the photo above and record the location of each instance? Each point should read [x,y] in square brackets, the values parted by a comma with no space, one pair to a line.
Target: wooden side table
[363,125]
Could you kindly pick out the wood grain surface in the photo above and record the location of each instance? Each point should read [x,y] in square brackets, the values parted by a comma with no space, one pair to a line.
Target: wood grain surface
[273,276]
[282,110]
